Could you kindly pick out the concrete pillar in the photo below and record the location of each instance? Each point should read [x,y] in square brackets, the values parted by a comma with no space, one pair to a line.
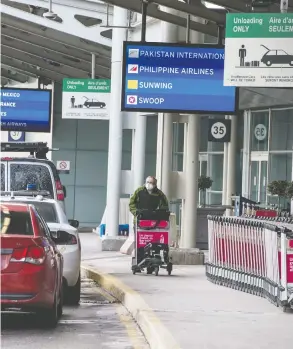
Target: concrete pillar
[190,203]
[115,132]
[167,154]
[188,235]
[159,155]
[169,34]
[138,145]
[231,174]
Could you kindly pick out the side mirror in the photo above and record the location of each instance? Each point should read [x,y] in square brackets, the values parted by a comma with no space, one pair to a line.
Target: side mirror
[64,190]
[60,237]
[74,223]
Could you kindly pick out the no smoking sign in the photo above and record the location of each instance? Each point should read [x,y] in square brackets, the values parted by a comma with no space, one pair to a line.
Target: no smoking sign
[63,166]
[219,130]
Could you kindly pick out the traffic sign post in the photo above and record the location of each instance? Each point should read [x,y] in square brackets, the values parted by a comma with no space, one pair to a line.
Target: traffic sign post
[219,130]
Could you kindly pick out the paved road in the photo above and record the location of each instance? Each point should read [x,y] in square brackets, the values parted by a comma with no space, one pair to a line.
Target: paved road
[96,324]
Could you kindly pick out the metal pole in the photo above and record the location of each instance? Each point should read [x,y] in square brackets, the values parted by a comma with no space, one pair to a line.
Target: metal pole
[50,5]
[188,26]
[144,10]
[93,66]
[220,35]
[232,152]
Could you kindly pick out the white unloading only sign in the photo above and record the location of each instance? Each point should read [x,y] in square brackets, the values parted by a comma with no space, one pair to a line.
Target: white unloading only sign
[259,50]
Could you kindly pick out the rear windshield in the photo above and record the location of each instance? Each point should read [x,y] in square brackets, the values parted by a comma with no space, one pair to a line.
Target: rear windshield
[16,223]
[2,177]
[46,210]
[23,174]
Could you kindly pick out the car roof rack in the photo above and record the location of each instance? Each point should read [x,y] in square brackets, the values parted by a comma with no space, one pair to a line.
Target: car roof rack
[36,149]
[28,193]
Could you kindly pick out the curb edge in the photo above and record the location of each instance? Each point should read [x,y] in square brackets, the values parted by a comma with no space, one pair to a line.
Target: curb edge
[156,334]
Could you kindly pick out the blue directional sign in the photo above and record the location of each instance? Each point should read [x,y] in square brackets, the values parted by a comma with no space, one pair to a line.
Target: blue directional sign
[178,78]
[27,110]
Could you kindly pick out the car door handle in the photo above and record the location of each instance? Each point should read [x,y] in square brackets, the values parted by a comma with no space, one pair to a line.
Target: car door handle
[53,264]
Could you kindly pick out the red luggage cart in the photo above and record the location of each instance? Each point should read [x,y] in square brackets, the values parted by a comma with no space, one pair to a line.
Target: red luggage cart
[152,242]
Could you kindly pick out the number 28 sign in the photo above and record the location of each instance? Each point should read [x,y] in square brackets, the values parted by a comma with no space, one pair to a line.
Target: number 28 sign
[219,130]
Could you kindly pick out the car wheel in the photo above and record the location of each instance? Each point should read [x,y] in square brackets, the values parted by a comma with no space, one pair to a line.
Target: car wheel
[74,292]
[291,63]
[87,106]
[268,63]
[49,317]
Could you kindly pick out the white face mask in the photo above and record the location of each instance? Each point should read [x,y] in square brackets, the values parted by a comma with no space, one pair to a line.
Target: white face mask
[149,186]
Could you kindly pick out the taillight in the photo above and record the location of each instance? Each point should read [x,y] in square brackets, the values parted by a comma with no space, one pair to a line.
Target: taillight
[18,255]
[72,241]
[32,255]
[35,255]
[6,159]
[60,193]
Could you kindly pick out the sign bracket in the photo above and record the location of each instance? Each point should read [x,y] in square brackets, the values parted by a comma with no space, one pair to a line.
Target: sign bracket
[220,35]
[188,25]
[144,10]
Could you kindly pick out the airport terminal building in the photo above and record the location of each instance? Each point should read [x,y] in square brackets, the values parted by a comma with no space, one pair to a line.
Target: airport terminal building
[173,147]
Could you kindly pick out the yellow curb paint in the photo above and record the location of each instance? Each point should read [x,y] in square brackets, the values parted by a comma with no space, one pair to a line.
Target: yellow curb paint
[155,332]
[134,335]
[136,338]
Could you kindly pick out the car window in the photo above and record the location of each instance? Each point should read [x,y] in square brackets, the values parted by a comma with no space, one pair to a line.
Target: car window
[41,227]
[44,227]
[46,210]
[282,52]
[23,174]
[3,177]
[15,223]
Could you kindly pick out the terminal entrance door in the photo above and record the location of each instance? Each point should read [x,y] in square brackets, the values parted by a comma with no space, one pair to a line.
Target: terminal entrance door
[259,177]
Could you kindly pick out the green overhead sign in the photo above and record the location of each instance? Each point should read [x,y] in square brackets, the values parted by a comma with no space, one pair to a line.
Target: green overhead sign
[86,99]
[259,25]
[87,85]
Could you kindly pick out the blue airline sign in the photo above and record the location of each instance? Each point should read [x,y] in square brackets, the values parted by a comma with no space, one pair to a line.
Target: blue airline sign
[27,110]
[184,78]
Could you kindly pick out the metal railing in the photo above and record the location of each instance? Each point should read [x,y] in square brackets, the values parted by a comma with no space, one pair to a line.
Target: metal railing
[252,255]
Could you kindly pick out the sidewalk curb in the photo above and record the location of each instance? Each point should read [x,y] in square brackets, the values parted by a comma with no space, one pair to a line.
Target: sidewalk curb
[154,331]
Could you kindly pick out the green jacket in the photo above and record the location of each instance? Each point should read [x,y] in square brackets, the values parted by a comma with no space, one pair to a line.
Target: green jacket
[143,200]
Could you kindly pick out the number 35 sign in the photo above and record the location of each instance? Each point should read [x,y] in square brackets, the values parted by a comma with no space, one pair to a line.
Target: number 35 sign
[219,130]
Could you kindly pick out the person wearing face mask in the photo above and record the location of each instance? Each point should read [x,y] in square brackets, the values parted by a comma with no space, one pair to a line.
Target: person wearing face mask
[148,197]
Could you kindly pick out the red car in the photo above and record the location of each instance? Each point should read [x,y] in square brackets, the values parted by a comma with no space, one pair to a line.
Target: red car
[31,265]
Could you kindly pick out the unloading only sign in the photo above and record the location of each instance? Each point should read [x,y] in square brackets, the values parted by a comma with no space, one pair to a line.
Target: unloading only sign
[259,50]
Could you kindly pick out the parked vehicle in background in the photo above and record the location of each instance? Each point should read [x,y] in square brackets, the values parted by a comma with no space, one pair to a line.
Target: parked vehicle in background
[31,264]
[36,169]
[70,247]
